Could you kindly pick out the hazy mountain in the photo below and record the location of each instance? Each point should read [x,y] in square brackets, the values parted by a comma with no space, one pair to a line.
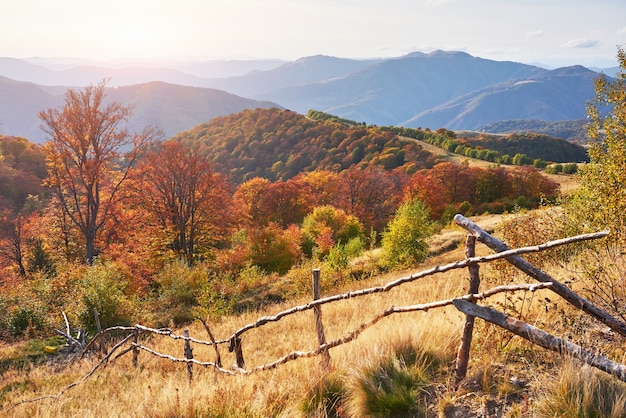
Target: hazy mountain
[392,91]
[173,108]
[315,69]
[66,72]
[432,90]
[559,94]
[19,104]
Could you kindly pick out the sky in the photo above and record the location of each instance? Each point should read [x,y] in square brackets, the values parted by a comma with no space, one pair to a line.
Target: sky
[550,32]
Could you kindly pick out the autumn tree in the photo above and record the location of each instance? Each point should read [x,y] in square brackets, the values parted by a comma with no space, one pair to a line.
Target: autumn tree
[249,197]
[371,195]
[602,196]
[89,154]
[187,197]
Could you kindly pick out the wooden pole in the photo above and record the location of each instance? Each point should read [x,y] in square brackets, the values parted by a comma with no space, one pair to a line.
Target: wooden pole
[101,339]
[188,355]
[538,274]
[462,358]
[235,345]
[319,325]
[218,358]
[542,338]
[135,349]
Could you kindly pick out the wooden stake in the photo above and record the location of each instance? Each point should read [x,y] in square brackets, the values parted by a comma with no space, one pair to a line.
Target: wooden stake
[319,325]
[188,355]
[462,358]
[135,349]
[101,339]
[235,345]
[542,338]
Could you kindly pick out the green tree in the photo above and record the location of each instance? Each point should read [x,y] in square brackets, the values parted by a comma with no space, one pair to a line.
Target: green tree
[603,179]
[404,239]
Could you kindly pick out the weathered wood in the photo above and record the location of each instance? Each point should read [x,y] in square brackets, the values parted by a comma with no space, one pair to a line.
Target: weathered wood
[235,346]
[188,355]
[184,360]
[407,279]
[319,325]
[135,349]
[218,358]
[542,338]
[101,339]
[462,358]
[559,288]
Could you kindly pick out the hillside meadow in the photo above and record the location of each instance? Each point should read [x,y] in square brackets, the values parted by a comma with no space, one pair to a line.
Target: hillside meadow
[410,355]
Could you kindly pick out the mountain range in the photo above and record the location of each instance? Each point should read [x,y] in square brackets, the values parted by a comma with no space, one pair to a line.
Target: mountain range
[446,89]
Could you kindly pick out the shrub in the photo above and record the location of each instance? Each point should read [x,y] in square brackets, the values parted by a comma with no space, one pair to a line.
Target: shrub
[404,242]
[571,168]
[103,288]
[389,388]
[327,396]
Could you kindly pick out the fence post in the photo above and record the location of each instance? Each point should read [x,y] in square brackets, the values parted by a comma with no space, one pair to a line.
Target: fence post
[235,345]
[462,358]
[319,325]
[135,349]
[101,340]
[188,355]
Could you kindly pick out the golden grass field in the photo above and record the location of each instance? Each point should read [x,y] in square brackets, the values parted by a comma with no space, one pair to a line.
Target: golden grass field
[160,388]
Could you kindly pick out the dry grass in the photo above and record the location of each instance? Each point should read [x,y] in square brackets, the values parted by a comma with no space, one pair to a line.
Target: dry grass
[160,388]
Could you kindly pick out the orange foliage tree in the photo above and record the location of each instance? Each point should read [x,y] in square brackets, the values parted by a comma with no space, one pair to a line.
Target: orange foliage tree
[186,196]
[89,155]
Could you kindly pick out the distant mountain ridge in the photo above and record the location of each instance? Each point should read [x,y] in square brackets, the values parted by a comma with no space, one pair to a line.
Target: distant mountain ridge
[172,108]
[447,89]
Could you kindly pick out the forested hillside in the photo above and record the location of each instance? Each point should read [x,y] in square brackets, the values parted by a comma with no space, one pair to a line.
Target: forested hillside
[570,130]
[533,145]
[279,144]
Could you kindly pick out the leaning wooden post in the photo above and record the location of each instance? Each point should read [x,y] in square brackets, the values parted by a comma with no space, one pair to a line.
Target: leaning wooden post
[235,345]
[538,274]
[135,349]
[101,340]
[188,355]
[542,338]
[462,358]
[319,325]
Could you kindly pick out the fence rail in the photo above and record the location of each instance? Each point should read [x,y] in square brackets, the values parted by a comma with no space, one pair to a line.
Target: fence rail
[465,304]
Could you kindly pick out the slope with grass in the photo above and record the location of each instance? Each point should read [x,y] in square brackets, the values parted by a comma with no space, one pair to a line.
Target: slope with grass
[402,366]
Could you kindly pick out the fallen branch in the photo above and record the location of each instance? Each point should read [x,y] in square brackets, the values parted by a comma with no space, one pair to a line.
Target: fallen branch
[542,338]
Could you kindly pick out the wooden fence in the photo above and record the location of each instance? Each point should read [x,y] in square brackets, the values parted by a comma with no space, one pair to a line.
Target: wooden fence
[130,343]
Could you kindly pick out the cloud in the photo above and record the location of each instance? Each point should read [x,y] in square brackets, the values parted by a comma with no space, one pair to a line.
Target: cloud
[622,31]
[535,34]
[581,43]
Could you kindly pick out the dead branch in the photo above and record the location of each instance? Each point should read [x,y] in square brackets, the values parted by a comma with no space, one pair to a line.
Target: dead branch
[538,274]
[542,338]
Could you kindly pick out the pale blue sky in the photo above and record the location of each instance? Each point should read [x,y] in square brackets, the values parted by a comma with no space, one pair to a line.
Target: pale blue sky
[553,32]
